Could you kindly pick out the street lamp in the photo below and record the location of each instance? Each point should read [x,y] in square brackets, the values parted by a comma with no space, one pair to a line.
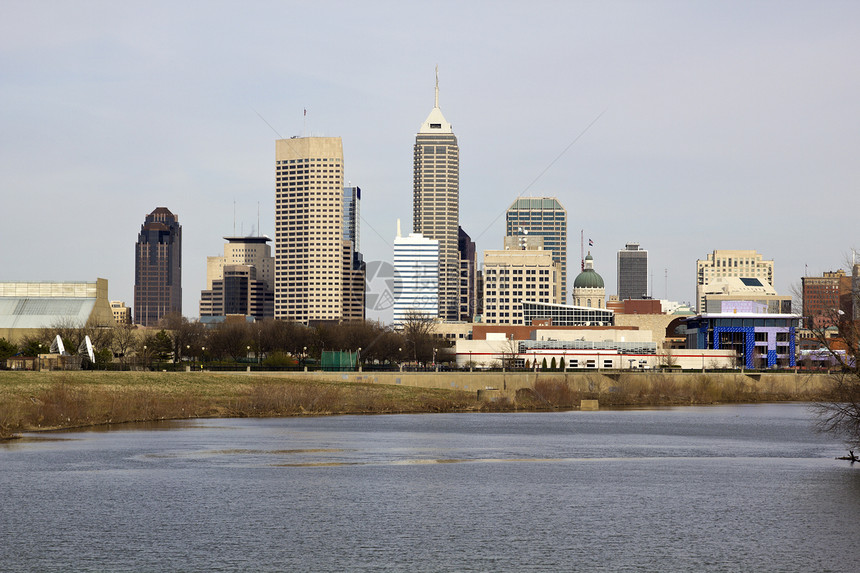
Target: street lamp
[202,357]
[435,367]
[399,358]
[359,358]
[470,361]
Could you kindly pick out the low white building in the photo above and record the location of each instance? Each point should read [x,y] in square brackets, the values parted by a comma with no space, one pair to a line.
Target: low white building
[584,349]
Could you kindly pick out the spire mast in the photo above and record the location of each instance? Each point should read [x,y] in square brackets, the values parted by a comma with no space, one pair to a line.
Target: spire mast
[437,86]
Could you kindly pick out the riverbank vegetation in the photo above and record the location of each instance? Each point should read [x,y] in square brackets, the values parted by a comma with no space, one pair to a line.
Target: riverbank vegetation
[52,400]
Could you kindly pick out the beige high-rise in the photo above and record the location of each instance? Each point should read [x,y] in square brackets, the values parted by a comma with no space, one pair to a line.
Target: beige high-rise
[309,229]
[436,201]
[514,276]
[722,264]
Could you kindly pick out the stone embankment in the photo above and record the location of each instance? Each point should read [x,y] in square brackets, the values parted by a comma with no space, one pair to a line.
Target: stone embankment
[51,400]
[660,387]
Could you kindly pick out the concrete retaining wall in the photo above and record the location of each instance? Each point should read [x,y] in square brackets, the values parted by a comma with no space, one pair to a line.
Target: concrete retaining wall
[799,384]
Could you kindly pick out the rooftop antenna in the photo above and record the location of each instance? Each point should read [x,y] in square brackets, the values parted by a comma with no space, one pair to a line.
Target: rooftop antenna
[436,104]
[234,217]
[666,271]
[305,122]
[259,232]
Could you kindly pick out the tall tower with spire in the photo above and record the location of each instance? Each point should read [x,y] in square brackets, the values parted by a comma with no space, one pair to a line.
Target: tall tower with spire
[436,200]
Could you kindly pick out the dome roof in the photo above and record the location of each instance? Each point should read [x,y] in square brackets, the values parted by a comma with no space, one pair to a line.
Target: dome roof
[588,279]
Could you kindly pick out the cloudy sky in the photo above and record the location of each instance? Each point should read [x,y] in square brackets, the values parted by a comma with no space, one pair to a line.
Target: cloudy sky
[685,126]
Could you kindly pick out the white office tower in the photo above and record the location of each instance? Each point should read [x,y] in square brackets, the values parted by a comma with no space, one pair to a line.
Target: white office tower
[416,279]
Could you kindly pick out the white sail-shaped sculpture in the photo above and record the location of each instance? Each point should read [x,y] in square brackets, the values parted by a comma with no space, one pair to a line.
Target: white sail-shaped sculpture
[87,347]
[57,346]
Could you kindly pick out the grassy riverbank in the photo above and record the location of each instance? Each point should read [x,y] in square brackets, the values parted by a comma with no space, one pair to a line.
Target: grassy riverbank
[51,400]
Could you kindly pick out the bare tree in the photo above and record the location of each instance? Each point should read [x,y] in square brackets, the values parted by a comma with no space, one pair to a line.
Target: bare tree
[668,359]
[230,339]
[837,334]
[187,336]
[67,329]
[101,335]
[509,354]
[417,332]
[123,342]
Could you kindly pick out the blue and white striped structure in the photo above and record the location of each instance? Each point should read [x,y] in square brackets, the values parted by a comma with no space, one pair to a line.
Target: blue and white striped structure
[760,339]
[416,278]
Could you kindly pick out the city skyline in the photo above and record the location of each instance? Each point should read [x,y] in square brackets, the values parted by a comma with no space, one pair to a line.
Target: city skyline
[736,103]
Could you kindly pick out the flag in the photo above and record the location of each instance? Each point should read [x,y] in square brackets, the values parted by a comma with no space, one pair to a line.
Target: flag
[306,112]
[590,243]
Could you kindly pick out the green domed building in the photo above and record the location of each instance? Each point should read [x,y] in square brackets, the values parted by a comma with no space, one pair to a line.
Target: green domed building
[588,288]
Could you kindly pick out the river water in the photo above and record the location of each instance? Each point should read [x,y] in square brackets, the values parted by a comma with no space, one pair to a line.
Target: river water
[724,488]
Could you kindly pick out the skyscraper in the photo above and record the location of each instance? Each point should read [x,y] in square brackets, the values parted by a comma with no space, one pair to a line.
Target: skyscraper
[436,201]
[158,268]
[241,281]
[351,214]
[722,264]
[545,217]
[632,272]
[309,230]
[512,277]
[354,268]
[468,278]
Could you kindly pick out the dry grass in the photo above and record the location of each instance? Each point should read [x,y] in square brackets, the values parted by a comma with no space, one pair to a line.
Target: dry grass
[49,400]
[554,393]
[670,389]
[46,400]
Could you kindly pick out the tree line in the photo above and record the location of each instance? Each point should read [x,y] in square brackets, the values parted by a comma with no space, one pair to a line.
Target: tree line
[276,342]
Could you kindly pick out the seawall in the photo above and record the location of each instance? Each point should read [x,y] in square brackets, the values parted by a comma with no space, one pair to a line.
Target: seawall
[799,386]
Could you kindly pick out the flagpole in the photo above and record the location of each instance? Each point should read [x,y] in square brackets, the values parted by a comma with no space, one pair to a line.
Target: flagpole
[581,250]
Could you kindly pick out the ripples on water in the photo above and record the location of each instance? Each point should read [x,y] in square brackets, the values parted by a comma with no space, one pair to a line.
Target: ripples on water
[740,488]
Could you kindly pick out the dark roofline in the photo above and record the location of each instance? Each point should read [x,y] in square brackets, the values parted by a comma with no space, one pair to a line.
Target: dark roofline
[262,239]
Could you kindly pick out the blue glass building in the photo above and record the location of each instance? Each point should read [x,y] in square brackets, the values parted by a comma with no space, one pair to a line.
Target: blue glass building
[760,340]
